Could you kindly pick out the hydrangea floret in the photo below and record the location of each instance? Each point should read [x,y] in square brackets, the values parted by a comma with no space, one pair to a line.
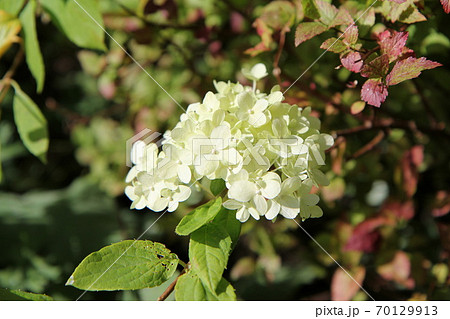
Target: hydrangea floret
[268,153]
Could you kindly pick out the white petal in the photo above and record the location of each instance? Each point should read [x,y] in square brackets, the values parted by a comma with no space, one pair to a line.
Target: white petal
[182,193]
[221,132]
[140,203]
[253,212]
[290,206]
[260,204]
[158,205]
[291,184]
[131,174]
[184,173]
[257,119]
[232,204]
[273,210]
[259,71]
[242,214]
[137,151]
[315,211]
[173,205]
[232,156]
[260,105]
[129,191]
[242,191]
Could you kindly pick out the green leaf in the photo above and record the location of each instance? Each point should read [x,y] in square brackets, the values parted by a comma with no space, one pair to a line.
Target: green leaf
[217,186]
[199,217]
[77,23]
[208,253]
[189,287]
[11,6]
[227,220]
[124,266]
[310,9]
[308,30]
[1,172]
[408,69]
[18,295]
[9,28]
[33,52]
[334,45]
[31,124]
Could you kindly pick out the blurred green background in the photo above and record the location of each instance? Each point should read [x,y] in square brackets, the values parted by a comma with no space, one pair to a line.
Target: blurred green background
[388,233]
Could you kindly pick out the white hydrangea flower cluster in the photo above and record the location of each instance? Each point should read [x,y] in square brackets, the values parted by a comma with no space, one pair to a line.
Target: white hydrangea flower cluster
[267,152]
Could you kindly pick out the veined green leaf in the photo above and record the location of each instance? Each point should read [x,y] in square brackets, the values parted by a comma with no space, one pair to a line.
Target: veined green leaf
[199,217]
[227,220]
[18,295]
[127,265]
[11,6]
[209,248]
[74,19]
[189,287]
[31,124]
[33,52]
[217,186]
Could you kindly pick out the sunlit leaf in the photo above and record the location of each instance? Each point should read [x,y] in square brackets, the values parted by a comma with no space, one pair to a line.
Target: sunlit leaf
[199,217]
[31,124]
[19,295]
[9,28]
[32,50]
[374,92]
[13,7]
[408,69]
[189,287]
[308,30]
[126,265]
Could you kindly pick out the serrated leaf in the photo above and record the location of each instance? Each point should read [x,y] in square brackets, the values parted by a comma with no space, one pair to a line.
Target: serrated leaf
[11,6]
[9,28]
[408,69]
[227,220]
[352,61]
[411,15]
[308,30]
[327,11]
[446,5]
[357,107]
[76,23]
[208,253]
[217,186]
[351,34]
[266,38]
[392,43]
[126,265]
[310,9]
[199,217]
[377,68]
[333,45]
[343,17]
[31,124]
[32,50]
[189,287]
[374,92]
[278,14]
[19,295]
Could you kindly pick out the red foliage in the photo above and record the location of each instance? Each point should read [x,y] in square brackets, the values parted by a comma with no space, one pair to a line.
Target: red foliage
[374,92]
[411,160]
[365,236]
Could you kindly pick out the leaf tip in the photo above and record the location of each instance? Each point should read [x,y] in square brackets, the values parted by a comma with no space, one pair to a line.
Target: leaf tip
[70,281]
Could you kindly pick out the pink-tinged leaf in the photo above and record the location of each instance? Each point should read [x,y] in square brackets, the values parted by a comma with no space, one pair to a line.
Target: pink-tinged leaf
[343,17]
[334,45]
[411,160]
[409,68]
[374,92]
[343,287]
[308,30]
[351,34]
[352,61]
[441,204]
[398,270]
[327,11]
[398,209]
[411,15]
[365,236]
[357,107]
[446,5]
[377,68]
[266,38]
[398,1]
[392,43]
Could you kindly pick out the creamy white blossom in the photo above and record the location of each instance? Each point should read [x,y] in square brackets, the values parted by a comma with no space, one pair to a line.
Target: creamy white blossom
[267,152]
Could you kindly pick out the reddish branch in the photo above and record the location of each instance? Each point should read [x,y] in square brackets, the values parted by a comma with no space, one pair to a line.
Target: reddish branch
[171,287]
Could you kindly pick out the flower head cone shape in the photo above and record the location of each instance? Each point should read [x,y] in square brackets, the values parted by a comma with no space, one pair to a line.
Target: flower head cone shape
[269,154]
